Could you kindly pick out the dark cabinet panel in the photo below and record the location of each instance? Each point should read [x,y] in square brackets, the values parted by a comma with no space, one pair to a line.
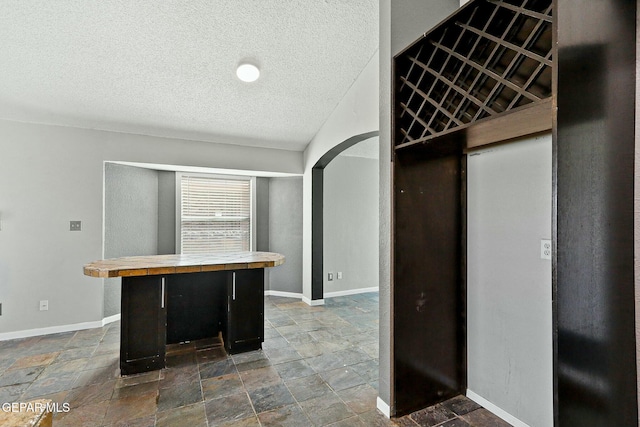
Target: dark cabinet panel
[161,310]
[245,317]
[143,324]
[195,305]
[428,293]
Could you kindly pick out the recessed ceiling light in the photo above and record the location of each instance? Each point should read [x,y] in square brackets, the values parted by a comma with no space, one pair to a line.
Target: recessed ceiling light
[248,72]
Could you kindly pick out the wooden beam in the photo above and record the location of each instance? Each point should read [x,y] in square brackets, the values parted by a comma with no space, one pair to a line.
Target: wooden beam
[532,118]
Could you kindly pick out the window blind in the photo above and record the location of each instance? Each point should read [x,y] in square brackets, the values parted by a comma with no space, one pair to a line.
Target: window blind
[215,215]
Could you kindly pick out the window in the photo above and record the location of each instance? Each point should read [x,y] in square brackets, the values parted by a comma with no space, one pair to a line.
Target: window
[215,213]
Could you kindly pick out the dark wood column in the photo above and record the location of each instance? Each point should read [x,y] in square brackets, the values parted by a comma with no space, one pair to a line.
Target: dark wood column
[429,295]
[594,144]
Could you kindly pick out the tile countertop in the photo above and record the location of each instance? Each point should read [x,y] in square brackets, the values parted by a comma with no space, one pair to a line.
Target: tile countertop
[176,264]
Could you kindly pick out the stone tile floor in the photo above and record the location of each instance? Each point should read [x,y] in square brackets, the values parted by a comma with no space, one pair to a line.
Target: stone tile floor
[318,367]
[456,412]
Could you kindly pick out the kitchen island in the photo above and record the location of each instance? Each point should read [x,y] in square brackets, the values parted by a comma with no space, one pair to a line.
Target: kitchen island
[171,299]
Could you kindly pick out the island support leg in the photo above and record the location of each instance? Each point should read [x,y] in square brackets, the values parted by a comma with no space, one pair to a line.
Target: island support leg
[143,324]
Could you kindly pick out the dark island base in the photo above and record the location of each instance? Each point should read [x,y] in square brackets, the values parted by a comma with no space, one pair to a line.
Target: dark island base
[170,309]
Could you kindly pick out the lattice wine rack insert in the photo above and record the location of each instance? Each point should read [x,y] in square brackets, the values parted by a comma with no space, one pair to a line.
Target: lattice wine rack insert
[491,57]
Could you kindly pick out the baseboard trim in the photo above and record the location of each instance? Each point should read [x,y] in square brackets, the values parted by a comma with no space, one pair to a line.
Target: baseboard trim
[313,302]
[383,407]
[283,294]
[295,295]
[350,292]
[326,295]
[495,410]
[27,333]
[49,330]
[110,319]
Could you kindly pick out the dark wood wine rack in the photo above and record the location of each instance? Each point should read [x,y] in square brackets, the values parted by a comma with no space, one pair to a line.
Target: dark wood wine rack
[490,58]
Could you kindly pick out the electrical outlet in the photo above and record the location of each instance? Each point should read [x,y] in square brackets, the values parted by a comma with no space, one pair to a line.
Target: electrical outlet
[339,275]
[44,305]
[330,277]
[545,249]
[75,225]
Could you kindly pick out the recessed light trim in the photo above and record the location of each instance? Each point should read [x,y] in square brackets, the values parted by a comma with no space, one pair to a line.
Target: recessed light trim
[248,72]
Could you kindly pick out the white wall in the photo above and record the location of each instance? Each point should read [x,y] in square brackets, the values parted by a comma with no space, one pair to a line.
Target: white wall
[509,313]
[51,175]
[356,114]
[351,223]
[385,393]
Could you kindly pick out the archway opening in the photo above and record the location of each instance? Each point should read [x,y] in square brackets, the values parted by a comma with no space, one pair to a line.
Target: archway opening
[317,212]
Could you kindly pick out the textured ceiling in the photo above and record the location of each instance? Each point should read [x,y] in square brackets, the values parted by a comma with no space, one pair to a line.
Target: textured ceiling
[167,68]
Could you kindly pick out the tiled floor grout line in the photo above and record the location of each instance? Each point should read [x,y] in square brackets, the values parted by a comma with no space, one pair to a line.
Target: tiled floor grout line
[206,419]
[294,399]
[247,393]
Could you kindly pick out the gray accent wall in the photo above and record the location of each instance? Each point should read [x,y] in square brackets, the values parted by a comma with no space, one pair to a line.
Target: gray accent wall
[509,308]
[285,233]
[166,212]
[351,223]
[131,220]
[262,221]
[401,22]
[262,214]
